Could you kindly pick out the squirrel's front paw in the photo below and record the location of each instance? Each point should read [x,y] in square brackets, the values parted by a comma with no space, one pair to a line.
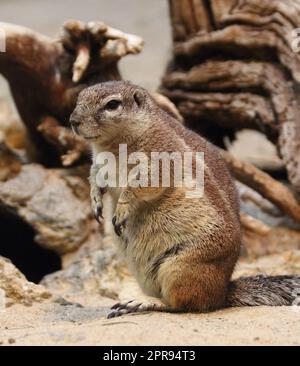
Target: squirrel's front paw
[97,205]
[120,218]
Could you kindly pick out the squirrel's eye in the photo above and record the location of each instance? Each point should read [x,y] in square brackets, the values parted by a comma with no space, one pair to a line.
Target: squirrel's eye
[113,104]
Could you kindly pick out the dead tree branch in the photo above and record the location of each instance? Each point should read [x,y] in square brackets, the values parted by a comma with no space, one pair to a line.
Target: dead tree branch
[263,183]
[45,76]
[234,67]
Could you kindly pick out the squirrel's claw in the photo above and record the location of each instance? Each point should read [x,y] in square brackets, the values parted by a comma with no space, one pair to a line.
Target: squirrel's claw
[97,205]
[121,215]
[118,227]
[123,308]
[98,214]
[136,306]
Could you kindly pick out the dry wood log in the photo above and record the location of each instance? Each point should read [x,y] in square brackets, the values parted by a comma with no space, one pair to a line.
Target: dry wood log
[230,110]
[266,229]
[242,50]
[249,196]
[250,223]
[263,183]
[45,76]
[262,78]
[72,147]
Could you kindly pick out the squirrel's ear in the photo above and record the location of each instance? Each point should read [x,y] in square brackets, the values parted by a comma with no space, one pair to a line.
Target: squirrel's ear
[138,97]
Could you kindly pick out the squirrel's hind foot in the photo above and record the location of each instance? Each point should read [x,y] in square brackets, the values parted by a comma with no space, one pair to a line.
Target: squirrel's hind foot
[136,306]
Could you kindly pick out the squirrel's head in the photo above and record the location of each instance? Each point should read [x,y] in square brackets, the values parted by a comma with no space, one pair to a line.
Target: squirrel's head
[108,109]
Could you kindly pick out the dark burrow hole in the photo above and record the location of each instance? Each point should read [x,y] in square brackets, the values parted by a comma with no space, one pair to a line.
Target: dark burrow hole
[17,244]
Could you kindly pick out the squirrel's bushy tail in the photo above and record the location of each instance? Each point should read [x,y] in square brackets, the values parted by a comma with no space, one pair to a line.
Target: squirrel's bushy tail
[264,290]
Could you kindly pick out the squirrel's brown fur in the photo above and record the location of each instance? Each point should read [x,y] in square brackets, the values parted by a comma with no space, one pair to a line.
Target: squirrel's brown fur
[181,250]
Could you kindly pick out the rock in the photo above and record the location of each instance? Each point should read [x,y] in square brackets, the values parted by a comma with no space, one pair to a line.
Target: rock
[47,200]
[15,289]
[2,300]
[95,269]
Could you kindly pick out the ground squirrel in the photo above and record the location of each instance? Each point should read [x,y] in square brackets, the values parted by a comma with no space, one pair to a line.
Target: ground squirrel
[181,250]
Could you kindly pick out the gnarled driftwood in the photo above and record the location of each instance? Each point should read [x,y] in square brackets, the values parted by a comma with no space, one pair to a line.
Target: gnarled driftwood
[235,65]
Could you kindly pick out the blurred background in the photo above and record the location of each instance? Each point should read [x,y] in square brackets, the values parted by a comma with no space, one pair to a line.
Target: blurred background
[147,19]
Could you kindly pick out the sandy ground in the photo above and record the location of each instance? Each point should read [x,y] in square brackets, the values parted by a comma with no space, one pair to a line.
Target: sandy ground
[50,324]
[56,324]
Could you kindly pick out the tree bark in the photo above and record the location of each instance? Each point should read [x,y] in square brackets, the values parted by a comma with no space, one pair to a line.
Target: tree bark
[234,67]
[45,76]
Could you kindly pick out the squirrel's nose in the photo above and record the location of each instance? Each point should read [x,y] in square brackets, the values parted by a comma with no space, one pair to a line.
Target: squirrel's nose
[75,120]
